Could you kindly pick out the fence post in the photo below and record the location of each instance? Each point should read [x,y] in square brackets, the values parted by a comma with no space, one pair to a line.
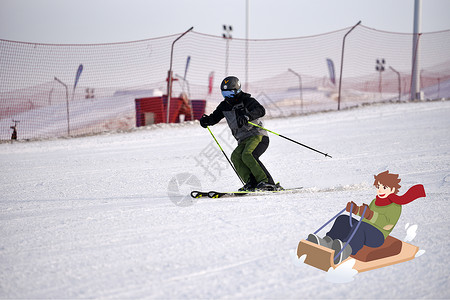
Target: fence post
[342,64]
[300,85]
[399,83]
[169,78]
[67,104]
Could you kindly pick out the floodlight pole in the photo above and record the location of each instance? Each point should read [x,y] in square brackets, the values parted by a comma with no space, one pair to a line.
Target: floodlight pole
[380,68]
[169,77]
[415,76]
[227,36]
[67,104]
[342,64]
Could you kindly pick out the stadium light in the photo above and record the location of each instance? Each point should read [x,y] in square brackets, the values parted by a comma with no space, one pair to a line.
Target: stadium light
[227,36]
[379,66]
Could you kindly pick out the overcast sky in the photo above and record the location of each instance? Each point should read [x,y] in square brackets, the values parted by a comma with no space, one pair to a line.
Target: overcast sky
[104,21]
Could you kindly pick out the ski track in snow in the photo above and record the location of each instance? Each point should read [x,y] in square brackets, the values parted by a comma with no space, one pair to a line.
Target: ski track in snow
[91,217]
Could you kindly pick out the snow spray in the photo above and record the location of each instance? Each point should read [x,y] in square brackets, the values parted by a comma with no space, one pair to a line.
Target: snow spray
[411,232]
[343,273]
[300,262]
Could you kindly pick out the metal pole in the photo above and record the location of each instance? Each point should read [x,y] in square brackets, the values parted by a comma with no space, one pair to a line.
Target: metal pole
[246,43]
[399,83]
[285,137]
[227,36]
[415,78]
[188,94]
[50,97]
[226,63]
[67,104]
[300,84]
[439,87]
[380,68]
[342,64]
[169,82]
[379,86]
[415,75]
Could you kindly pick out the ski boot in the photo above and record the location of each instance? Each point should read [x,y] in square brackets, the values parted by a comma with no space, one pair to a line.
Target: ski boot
[278,187]
[248,187]
[264,186]
[337,247]
[326,241]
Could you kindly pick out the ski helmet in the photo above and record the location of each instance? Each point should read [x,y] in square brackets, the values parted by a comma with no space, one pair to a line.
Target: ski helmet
[230,87]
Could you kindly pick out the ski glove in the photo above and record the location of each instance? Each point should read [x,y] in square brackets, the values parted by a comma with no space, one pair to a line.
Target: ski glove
[355,207]
[368,214]
[242,120]
[205,121]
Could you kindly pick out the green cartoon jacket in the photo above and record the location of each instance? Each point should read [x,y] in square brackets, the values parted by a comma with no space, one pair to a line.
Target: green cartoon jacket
[384,217]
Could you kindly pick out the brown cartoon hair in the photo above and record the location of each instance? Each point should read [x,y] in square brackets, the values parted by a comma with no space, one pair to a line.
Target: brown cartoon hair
[388,179]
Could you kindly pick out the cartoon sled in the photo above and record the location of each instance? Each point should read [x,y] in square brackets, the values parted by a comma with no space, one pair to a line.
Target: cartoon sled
[393,251]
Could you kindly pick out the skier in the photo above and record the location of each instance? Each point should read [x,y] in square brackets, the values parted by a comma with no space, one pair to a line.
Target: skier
[239,108]
[379,220]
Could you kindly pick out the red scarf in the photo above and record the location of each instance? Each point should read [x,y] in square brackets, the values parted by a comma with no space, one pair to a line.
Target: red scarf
[412,194]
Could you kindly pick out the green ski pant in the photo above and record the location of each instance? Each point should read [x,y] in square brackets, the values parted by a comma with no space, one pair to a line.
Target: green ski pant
[245,162]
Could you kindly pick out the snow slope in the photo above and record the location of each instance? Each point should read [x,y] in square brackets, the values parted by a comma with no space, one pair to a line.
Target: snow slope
[106,216]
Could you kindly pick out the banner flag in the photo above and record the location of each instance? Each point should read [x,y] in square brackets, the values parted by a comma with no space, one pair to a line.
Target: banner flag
[80,69]
[210,82]
[331,70]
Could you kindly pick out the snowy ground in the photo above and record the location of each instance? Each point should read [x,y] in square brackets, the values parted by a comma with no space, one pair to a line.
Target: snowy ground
[99,217]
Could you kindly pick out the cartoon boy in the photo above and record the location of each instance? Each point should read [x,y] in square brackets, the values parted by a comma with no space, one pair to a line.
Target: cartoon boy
[380,218]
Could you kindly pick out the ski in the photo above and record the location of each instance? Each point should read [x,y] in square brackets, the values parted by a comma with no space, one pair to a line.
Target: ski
[215,194]
[198,194]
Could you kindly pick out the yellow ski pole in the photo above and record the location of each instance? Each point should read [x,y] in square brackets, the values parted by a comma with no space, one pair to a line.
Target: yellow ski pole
[225,155]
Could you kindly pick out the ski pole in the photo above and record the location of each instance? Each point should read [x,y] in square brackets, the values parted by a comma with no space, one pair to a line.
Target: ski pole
[280,135]
[225,155]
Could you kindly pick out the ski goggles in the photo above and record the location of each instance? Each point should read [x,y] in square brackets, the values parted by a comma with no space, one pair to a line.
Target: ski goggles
[230,93]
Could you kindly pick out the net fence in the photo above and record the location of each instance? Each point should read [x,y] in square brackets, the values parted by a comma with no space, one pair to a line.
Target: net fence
[39,96]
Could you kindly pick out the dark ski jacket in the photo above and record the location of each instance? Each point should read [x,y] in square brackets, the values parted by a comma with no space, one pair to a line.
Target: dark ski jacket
[231,108]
